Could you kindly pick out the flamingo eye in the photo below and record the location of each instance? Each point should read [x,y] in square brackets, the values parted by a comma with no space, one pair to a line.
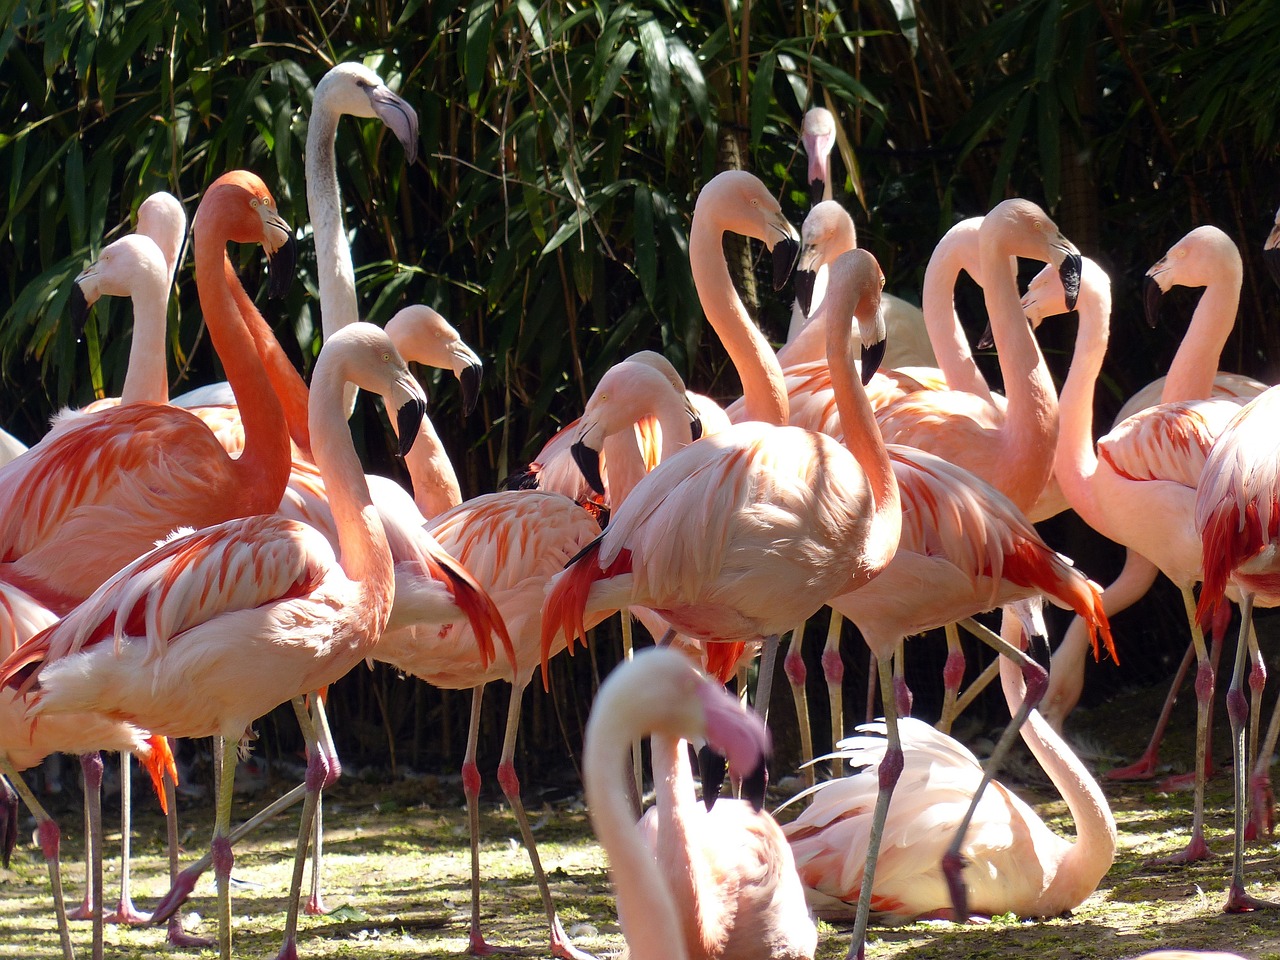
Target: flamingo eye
[386,358]
[254,203]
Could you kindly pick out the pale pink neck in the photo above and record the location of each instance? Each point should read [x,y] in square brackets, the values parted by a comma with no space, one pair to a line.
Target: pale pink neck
[147,377]
[687,877]
[764,390]
[861,432]
[646,906]
[1030,428]
[1091,855]
[435,482]
[1075,461]
[265,460]
[1195,365]
[956,251]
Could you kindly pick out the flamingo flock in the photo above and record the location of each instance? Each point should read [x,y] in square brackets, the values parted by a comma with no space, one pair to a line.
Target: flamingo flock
[231,555]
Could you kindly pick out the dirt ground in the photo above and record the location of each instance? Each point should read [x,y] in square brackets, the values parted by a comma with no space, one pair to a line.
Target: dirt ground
[397,866]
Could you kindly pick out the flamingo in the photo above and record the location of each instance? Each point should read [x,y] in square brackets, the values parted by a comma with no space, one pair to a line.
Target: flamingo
[718,884]
[1137,487]
[1204,257]
[216,627]
[1016,863]
[143,469]
[739,535]
[1237,511]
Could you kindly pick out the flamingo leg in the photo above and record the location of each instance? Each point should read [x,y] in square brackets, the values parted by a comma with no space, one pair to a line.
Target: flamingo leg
[1263,822]
[477,945]
[872,680]
[50,841]
[561,946]
[900,689]
[125,912]
[981,683]
[952,677]
[91,763]
[315,906]
[1037,679]
[793,665]
[889,771]
[1197,848]
[84,909]
[175,935]
[764,679]
[833,672]
[1257,680]
[220,846]
[1238,901]
[636,787]
[1144,768]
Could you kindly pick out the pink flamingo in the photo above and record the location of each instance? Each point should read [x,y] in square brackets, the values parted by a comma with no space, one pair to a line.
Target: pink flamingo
[1017,864]
[710,884]
[1138,486]
[740,534]
[145,468]
[1237,516]
[253,611]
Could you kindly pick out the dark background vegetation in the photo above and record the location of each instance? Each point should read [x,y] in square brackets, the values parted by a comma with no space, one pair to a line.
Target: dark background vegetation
[563,145]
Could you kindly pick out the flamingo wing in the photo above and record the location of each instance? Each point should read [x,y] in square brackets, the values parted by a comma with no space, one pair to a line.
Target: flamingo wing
[1170,441]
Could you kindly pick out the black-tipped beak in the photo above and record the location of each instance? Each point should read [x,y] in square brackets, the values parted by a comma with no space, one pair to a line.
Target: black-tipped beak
[8,824]
[402,119]
[408,420]
[1271,260]
[695,428]
[469,381]
[712,768]
[79,306]
[785,253]
[817,189]
[1151,296]
[871,358]
[280,268]
[754,786]
[1069,271]
[588,462]
[1038,648]
[988,339]
[805,279]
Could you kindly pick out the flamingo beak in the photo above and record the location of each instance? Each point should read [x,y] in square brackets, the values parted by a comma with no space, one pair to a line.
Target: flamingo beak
[280,266]
[1069,271]
[469,380]
[712,768]
[785,253]
[1151,295]
[804,283]
[740,735]
[79,303]
[872,356]
[588,461]
[408,419]
[817,189]
[400,118]
[695,428]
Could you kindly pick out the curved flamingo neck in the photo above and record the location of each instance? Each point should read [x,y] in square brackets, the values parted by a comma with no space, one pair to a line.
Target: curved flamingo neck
[1031,418]
[365,555]
[1075,460]
[435,482]
[1091,855]
[861,432]
[646,906]
[627,461]
[1195,365]
[764,390]
[264,462]
[956,251]
[147,376]
[335,272]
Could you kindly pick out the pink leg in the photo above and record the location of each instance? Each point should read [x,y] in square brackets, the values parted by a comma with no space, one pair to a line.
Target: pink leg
[476,943]
[1257,680]
[952,677]
[1238,901]
[92,766]
[797,674]
[125,912]
[1262,818]
[315,905]
[175,935]
[833,673]
[84,910]
[1145,766]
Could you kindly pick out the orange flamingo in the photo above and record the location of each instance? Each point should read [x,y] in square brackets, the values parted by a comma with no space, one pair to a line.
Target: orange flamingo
[1237,516]
[710,884]
[145,468]
[1017,864]
[253,611]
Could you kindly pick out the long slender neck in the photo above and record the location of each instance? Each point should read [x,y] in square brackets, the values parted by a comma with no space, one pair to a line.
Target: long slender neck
[336,275]
[282,375]
[677,828]
[861,432]
[1195,365]
[264,463]
[1075,461]
[956,251]
[1031,419]
[361,538]
[435,482]
[147,377]
[764,391]
[631,453]
[646,906]
[1094,850]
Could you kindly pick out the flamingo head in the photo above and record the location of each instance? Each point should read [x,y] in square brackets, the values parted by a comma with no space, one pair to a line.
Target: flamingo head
[818,136]
[354,89]
[1200,257]
[422,335]
[239,207]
